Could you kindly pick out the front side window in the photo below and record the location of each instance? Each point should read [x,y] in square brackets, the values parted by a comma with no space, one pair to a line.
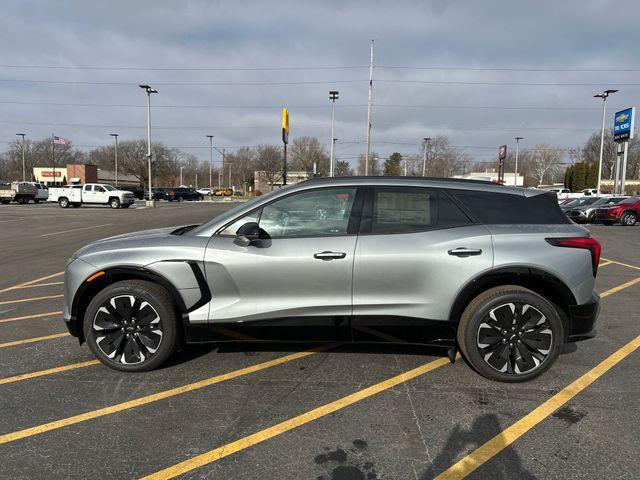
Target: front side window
[323,212]
[98,188]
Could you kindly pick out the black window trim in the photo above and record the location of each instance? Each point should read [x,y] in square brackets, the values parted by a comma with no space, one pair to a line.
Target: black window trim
[366,224]
[352,225]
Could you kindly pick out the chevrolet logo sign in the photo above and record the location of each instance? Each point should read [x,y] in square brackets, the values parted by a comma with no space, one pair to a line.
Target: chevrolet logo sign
[621,118]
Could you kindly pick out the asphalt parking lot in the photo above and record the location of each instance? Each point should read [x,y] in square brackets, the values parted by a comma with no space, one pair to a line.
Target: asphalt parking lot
[335,412]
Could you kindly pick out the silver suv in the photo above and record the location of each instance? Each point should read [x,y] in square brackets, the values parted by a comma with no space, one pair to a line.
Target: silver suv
[498,272]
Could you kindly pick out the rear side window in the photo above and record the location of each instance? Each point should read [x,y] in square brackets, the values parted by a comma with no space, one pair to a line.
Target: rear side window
[411,209]
[505,208]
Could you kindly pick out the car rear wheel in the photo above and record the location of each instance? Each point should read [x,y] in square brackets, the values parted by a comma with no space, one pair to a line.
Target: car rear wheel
[510,334]
[628,219]
[131,325]
[63,202]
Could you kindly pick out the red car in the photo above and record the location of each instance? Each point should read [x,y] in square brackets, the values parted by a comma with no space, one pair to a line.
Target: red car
[626,212]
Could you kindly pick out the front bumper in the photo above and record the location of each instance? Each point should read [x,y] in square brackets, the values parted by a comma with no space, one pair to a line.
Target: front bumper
[583,318]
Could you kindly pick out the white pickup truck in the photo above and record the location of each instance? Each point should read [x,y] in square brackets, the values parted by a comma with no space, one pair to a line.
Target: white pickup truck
[91,193]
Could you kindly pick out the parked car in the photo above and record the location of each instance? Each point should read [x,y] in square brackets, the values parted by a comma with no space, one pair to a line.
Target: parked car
[586,213]
[91,193]
[207,192]
[224,192]
[159,193]
[178,194]
[626,212]
[561,193]
[499,272]
[42,192]
[587,192]
[577,203]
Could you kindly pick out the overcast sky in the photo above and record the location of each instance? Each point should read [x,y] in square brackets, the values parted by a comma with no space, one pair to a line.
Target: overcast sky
[220,68]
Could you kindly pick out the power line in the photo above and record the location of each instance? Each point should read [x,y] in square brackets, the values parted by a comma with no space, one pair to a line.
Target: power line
[231,84]
[530,84]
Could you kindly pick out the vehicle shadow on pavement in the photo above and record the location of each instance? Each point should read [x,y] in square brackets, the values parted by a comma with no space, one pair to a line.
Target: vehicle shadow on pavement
[506,465]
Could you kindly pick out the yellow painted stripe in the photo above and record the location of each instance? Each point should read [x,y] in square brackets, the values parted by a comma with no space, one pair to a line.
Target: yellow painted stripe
[505,438]
[24,300]
[49,284]
[49,371]
[27,317]
[605,263]
[635,267]
[31,282]
[620,287]
[280,428]
[137,402]
[33,340]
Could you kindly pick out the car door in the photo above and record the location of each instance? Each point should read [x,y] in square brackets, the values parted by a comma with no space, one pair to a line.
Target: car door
[415,251]
[300,270]
[88,194]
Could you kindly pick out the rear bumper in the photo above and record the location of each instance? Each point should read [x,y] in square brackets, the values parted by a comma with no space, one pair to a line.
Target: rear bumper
[583,319]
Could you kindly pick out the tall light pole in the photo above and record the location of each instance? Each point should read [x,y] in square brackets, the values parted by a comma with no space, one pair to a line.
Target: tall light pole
[210,137]
[603,96]
[230,163]
[333,96]
[24,170]
[369,102]
[181,167]
[515,172]
[424,156]
[115,136]
[149,91]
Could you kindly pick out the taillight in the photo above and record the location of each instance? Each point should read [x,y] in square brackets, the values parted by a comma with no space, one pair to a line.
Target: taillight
[588,243]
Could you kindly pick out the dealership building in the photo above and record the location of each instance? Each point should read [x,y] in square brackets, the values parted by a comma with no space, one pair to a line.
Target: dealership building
[81,174]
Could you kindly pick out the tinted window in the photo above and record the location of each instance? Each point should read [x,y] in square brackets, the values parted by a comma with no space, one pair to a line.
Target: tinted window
[313,213]
[449,215]
[505,208]
[397,210]
[631,200]
[98,188]
[87,188]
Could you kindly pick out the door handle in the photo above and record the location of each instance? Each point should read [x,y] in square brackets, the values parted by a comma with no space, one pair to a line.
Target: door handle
[329,255]
[465,252]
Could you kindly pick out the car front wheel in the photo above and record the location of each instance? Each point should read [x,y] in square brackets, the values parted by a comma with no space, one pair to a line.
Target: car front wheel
[628,219]
[131,325]
[510,334]
[114,203]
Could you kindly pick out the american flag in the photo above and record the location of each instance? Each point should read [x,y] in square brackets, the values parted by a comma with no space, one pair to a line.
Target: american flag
[59,140]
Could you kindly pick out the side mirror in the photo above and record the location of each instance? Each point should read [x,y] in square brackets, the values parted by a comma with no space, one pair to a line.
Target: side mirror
[246,234]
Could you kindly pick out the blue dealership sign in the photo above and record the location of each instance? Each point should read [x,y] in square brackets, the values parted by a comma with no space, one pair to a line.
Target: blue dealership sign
[623,123]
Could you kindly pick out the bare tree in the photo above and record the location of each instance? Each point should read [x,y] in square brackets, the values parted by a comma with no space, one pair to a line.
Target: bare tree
[307,151]
[244,166]
[374,165]
[269,161]
[343,169]
[545,162]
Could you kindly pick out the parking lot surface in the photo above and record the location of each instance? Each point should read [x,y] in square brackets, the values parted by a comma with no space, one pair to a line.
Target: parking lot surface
[324,412]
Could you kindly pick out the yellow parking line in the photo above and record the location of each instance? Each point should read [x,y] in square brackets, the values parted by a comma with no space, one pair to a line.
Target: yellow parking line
[31,282]
[33,340]
[24,300]
[280,428]
[137,402]
[605,263]
[49,371]
[620,263]
[505,438]
[620,287]
[28,317]
[50,284]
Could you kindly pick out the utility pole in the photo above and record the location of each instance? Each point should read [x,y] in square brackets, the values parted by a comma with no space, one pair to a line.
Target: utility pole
[196,180]
[515,172]
[210,137]
[24,170]
[181,175]
[424,156]
[149,90]
[366,157]
[230,163]
[333,96]
[115,135]
[603,96]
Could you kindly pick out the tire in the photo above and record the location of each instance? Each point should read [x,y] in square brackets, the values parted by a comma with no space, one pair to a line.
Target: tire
[592,219]
[114,203]
[5,202]
[510,354]
[628,219]
[150,332]
[63,202]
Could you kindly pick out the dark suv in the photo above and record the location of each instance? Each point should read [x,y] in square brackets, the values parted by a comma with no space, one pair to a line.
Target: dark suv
[179,194]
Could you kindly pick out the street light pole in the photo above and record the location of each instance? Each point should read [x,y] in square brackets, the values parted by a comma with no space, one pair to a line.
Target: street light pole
[603,96]
[210,137]
[149,91]
[115,135]
[230,163]
[181,175]
[333,96]
[24,170]
[424,156]
[515,173]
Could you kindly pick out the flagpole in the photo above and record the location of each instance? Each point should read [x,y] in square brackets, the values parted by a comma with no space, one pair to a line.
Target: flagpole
[53,159]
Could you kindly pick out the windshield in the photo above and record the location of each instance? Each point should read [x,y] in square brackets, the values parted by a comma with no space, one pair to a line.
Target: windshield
[630,200]
[246,206]
[609,200]
[579,202]
[109,188]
